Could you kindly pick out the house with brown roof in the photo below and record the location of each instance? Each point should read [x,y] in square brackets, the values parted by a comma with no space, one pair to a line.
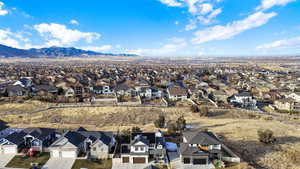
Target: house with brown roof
[177,93]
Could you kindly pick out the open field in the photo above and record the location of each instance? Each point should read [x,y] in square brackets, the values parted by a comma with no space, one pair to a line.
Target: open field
[238,128]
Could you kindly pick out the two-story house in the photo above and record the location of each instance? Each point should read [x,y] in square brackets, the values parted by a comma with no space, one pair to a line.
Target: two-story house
[104,89]
[243,100]
[94,144]
[177,93]
[199,148]
[144,148]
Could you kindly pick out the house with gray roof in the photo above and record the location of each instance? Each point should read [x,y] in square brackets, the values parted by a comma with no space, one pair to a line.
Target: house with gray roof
[13,143]
[199,148]
[94,144]
[38,139]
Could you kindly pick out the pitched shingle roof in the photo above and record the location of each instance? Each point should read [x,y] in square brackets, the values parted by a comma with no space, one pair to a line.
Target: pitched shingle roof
[39,133]
[16,138]
[3,125]
[74,137]
[202,138]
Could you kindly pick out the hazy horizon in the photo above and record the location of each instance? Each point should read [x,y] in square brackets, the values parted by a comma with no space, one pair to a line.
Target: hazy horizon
[156,28]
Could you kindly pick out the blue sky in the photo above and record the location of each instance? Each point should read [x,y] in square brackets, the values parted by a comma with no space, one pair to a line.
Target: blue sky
[195,28]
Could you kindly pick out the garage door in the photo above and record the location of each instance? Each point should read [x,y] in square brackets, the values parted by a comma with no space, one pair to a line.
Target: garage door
[55,153]
[139,160]
[199,161]
[68,154]
[9,150]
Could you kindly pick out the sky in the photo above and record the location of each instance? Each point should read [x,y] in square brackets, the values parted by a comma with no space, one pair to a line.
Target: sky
[161,28]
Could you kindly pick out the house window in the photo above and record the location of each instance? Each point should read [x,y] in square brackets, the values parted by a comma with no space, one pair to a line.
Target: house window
[186,161]
[142,148]
[94,149]
[136,149]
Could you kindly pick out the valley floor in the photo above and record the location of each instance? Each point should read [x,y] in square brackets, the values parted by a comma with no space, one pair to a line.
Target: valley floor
[237,128]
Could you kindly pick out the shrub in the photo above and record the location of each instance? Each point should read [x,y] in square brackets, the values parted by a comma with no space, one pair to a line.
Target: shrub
[204,111]
[195,109]
[266,136]
[136,130]
[172,129]
[160,122]
[181,123]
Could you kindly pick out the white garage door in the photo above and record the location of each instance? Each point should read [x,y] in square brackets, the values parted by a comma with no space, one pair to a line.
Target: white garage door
[9,150]
[68,154]
[55,153]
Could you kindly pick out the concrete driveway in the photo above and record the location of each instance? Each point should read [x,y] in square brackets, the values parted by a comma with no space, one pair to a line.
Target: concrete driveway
[130,166]
[59,163]
[5,159]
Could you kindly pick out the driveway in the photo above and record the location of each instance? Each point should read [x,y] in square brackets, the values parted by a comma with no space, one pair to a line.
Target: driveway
[5,159]
[129,166]
[59,163]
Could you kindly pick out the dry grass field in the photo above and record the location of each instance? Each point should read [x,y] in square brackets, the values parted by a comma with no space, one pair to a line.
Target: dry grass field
[21,108]
[237,128]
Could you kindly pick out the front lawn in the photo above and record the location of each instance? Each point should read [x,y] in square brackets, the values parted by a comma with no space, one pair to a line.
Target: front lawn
[99,164]
[25,162]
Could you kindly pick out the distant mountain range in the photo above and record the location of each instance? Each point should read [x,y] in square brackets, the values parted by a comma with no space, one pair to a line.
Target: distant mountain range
[51,52]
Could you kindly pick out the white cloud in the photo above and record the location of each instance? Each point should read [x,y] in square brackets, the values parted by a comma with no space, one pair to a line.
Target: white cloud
[232,29]
[58,35]
[206,8]
[191,26]
[7,38]
[2,11]
[286,43]
[74,22]
[202,11]
[98,48]
[267,4]
[210,18]
[193,9]
[176,22]
[167,49]
[172,3]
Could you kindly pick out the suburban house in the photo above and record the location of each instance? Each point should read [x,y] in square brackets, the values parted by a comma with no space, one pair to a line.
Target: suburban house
[25,82]
[148,93]
[5,130]
[125,90]
[39,138]
[145,92]
[103,89]
[78,89]
[243,100]
[144,148]
[69,92]
[177,93]
[295,96]
[13,143]
[45,90]
[94,144]
[284,104]
[199,148]
[15,90]
[157,93]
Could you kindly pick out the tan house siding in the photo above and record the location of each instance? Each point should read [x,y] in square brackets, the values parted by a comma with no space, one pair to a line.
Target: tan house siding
[99,150]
